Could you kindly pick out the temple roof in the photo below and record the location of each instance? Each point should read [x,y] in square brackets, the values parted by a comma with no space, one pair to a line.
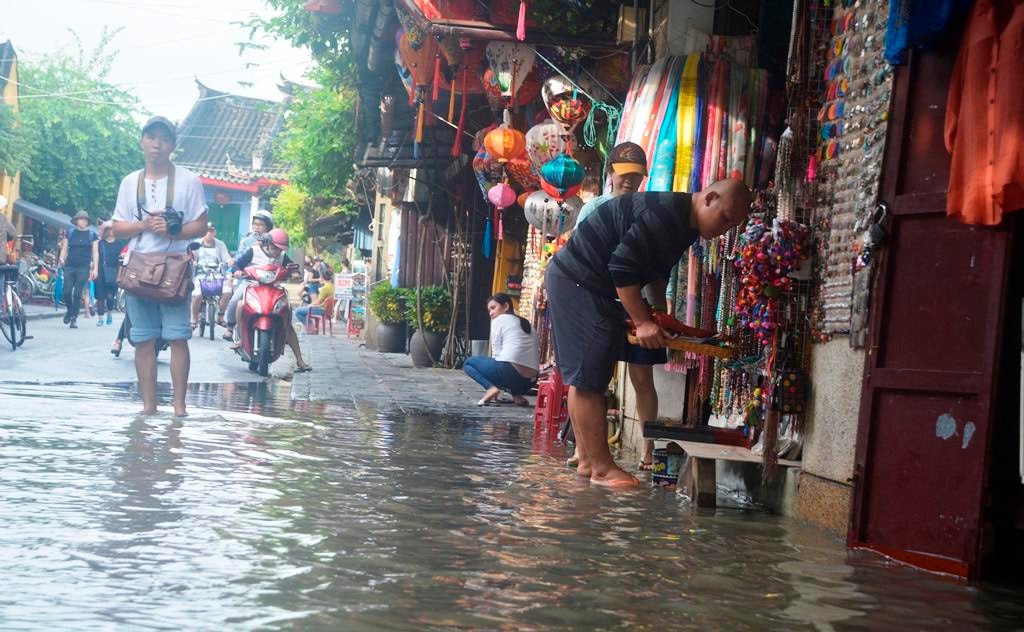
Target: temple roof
[223,132]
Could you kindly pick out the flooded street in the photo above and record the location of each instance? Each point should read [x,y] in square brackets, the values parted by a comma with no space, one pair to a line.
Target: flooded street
[283,514]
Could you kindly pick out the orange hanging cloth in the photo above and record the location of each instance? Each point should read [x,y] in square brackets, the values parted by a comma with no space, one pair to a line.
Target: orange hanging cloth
[984,116]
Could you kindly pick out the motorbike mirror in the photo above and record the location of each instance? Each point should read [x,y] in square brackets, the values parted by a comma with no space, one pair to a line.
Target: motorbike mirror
[194,245]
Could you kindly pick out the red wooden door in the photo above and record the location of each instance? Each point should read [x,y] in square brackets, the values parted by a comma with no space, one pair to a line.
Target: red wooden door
[928,396]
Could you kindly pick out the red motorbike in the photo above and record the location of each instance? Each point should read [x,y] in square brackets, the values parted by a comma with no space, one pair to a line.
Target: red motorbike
[265,317]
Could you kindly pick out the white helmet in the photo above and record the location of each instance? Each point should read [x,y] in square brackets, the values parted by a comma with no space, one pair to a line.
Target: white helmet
[265,216]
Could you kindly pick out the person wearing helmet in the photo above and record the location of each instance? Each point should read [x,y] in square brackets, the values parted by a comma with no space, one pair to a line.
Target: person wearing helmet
[262,223]
[269,250]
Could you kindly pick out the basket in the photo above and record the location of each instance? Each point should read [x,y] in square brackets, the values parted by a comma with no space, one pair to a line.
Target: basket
[211,287]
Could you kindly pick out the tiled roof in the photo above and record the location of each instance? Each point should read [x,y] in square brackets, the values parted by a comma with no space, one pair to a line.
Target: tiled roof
[7,58]
[222,132]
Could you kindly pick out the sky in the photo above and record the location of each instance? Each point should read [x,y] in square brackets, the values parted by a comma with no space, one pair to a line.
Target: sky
[165,45]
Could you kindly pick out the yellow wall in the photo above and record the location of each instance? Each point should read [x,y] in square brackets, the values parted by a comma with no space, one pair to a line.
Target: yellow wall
[508,261]
[9,187]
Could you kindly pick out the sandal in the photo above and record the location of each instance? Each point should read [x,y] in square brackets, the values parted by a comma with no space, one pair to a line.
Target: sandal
[220,320]
[229,336]
[303,369]
[195,324]
[645,466]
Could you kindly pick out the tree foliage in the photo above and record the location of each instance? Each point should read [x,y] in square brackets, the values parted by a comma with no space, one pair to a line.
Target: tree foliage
[319,137]
[84,140]
[16,144]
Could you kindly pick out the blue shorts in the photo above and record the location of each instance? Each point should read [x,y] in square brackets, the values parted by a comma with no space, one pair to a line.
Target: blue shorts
[152,320]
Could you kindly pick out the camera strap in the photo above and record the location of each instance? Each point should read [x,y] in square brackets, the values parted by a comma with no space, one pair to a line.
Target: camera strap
[140,192]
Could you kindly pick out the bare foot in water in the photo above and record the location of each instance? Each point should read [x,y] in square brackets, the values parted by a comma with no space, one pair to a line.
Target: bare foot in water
[615,478]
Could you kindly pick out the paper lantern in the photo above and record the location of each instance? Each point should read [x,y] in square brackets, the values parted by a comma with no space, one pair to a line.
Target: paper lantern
[417,38]
[484,165]
[501,196]
[522,173]
[545,141]
[570,111]
[505,143]
[547,215]
[419,60]
[489,80]
[562,176]
[511,63]
[404,74]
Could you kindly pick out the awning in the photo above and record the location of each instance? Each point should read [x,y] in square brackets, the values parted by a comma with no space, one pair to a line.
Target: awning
[53,219]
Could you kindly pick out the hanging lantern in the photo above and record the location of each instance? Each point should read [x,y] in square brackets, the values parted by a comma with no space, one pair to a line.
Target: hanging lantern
[404,74]
[501,196]
[564,102]
[492,90]
[421,63]
[511,63]
[547,215]
[521,200]
[545,141]
[505,143]
[562,176]
[412,29]
[522,173]
[483,169]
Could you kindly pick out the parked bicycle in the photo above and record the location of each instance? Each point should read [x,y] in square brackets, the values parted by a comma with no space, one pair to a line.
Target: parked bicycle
[12,314]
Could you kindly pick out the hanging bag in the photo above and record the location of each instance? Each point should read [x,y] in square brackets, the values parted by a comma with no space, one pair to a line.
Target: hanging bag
[162,277]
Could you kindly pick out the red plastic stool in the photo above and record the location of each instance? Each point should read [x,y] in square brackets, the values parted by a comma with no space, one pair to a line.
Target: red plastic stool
[552,407]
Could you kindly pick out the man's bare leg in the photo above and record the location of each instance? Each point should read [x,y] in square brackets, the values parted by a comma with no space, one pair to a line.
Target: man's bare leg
[292,339]
[588,410]
[196,302]
[181,361]
[223,307]
[145,369]
[642,377]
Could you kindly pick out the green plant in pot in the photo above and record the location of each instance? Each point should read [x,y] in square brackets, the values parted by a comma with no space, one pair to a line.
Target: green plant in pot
[389,305]
[429,311]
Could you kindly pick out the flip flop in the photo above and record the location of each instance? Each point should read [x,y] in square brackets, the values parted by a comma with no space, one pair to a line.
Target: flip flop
[303,369]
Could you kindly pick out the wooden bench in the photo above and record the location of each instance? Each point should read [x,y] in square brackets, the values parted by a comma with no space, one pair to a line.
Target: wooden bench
[704,488]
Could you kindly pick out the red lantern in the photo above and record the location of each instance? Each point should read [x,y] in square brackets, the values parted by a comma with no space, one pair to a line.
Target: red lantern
[505,143]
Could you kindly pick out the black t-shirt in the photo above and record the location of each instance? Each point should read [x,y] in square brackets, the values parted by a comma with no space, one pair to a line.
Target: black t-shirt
[79,248]
[628,240]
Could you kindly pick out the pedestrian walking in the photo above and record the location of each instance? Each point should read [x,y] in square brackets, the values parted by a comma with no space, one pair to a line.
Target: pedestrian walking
[596,279]
[79,256]
[106,277]
[160,209]
[515,360]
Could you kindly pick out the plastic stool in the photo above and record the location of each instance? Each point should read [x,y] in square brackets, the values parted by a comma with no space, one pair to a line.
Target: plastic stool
[552,408]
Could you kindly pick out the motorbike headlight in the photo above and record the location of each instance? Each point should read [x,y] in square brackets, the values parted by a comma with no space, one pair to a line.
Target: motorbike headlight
[281,304]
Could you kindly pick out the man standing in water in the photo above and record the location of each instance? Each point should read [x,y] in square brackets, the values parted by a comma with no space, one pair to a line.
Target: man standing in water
[142,201]
[627,243]
[627,167]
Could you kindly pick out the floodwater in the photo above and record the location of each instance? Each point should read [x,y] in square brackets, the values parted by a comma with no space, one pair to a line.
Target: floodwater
[290,515]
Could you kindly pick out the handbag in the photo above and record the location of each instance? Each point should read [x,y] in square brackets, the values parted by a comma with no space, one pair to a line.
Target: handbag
[157,276]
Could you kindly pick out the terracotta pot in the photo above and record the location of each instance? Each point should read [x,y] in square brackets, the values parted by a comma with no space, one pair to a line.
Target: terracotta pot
[391,338]
[418,351]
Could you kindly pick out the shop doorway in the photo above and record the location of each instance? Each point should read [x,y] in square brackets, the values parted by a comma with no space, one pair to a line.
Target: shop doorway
[225,218]
[934,366]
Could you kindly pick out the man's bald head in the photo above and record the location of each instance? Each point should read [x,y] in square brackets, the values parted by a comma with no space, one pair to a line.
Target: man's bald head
[720,207]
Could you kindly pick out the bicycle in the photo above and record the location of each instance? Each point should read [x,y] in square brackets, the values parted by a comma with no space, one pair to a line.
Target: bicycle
[12,314]
[211,286]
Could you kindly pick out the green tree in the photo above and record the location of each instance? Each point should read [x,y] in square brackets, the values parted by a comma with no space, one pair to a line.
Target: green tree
[85,136]
[16,143]
[319,138]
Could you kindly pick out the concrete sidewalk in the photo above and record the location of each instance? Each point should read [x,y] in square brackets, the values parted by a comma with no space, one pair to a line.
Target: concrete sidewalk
[345,371]
[40,312]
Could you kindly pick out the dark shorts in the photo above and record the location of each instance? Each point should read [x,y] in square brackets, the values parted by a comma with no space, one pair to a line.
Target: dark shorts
[635,354]
[589,331]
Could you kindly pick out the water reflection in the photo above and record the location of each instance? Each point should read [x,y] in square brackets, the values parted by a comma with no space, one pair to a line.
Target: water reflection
[259,511]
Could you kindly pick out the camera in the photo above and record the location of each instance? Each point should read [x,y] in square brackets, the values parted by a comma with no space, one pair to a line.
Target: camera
[174,220]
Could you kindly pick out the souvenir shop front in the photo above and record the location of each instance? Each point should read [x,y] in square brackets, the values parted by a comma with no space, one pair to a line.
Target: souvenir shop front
[835,304]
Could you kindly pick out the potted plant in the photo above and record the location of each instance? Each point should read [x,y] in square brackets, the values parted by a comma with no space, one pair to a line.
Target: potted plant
[430,318]
[388,304]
